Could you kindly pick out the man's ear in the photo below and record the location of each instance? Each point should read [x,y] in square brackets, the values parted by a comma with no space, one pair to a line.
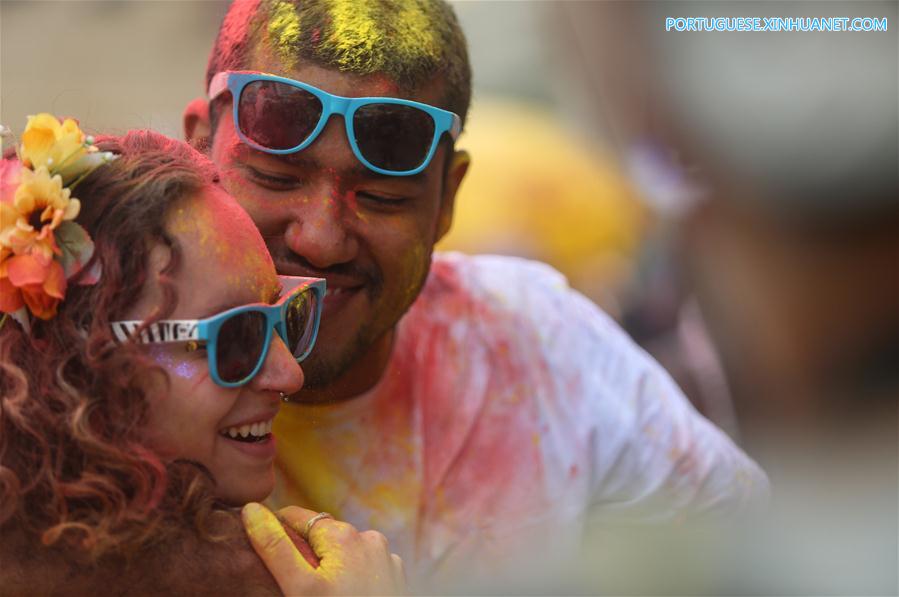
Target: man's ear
[455,173]
[197,128]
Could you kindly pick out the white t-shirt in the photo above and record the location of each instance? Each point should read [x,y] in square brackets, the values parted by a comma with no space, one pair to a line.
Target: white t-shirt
[511,409]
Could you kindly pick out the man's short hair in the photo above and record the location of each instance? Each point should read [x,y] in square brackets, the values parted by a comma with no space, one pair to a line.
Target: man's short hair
[413,42]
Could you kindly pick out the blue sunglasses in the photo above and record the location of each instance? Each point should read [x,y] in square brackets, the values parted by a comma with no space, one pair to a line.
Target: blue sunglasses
[277,115]
[237,341]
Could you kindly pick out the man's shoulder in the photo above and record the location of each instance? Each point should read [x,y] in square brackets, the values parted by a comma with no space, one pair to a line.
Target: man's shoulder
[521,309]
[525,310]
[522,292]
[496,279]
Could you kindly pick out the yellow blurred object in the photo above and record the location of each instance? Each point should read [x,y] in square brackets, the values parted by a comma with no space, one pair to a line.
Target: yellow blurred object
[534,191]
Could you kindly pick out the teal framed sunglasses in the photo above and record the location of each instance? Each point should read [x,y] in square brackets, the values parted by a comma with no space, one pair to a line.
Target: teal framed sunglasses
[237,340]
[276,115]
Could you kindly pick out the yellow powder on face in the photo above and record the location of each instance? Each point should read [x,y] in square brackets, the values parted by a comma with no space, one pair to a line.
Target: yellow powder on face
[284,31]
[416,259]
[224,235]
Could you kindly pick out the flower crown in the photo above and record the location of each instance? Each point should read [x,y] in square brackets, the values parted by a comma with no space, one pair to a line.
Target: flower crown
[41,246]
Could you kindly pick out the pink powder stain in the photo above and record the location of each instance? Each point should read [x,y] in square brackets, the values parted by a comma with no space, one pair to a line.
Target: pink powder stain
[234,27]
[475,442]
[383,85]
[344,197]
[353,203]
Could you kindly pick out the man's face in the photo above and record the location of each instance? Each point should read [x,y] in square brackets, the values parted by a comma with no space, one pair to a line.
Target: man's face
[322,213]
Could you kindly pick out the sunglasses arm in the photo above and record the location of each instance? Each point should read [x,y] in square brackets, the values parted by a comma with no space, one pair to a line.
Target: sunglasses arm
[288,283]
[456,128]
[218,85]
[166,330]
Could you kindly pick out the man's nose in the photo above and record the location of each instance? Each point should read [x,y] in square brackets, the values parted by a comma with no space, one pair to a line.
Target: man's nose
[320,230]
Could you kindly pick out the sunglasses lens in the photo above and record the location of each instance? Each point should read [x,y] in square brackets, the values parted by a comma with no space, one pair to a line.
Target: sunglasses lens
[393,137]
[241,342]
[277,116]
[301,322]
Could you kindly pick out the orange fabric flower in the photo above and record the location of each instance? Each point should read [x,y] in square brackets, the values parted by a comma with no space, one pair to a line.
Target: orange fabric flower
[40,244]
[30,276]
[30,281]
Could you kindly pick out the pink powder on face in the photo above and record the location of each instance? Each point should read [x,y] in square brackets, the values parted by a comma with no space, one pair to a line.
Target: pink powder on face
[383,85]
[353,204]
[346,197]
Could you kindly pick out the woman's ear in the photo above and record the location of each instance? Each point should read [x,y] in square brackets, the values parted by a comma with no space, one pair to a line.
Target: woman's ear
[197,128]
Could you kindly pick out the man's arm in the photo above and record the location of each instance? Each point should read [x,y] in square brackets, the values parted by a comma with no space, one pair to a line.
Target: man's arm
[650,454]
[655,458]
[658,459]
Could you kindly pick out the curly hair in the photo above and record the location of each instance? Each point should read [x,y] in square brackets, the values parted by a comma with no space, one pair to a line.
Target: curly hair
[76,472]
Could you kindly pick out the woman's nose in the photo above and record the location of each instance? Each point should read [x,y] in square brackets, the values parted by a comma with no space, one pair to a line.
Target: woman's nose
[280,372]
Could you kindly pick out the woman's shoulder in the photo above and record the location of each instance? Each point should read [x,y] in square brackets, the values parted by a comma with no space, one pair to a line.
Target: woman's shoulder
[181,563]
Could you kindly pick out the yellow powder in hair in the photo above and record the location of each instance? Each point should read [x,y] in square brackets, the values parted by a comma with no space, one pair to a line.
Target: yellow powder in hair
[415,33]
[355,33]
[284,31]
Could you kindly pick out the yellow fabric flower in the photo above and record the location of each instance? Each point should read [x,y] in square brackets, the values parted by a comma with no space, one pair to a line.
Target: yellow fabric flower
[9,222]
[47,142]
[40,202]
[40,244]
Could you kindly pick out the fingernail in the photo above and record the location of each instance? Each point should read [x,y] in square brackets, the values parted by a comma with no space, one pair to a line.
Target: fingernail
[252,510]
[255,519]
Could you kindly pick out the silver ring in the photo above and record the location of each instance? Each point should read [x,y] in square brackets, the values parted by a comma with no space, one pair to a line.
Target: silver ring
[312,521]
[284,397]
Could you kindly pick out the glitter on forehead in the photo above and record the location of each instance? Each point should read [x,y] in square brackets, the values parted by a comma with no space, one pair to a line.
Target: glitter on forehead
[284,31]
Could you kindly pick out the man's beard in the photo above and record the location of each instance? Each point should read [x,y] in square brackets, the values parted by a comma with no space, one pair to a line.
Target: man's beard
[320,372]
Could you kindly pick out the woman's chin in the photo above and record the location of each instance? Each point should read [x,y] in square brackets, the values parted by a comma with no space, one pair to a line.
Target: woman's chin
[238,494]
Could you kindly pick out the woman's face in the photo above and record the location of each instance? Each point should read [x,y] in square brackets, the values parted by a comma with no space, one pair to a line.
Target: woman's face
[224,263]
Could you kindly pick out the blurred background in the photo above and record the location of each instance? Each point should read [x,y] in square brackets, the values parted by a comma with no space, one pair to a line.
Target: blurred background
[730,198]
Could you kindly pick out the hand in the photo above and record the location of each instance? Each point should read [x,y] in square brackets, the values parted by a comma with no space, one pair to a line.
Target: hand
[351,563]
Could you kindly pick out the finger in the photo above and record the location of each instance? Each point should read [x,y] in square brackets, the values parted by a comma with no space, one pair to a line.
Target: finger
[376,539]
[275,548]
[334,542]
[399,573]
[297,517]
[301,544]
